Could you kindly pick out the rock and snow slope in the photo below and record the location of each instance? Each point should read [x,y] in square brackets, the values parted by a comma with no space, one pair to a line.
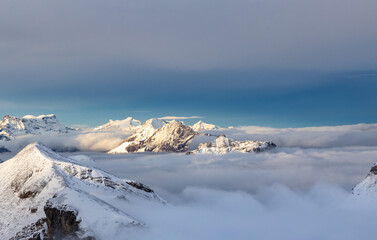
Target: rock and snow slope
[44,124]
[128,124]
[158,136]
[222,145]
[201,126]
[44,194]
[140,135]
[368,187]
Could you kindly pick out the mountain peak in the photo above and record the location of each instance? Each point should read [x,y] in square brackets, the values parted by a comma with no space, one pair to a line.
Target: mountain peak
[200,126]
[368,186]
[156,135]
[127,124]
[40,186]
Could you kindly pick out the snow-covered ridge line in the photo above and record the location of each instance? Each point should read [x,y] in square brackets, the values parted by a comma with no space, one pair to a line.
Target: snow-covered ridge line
[222,145]
[159,136]
[201,126]
[11,126]
[127,124]
[368,187]
[81,201]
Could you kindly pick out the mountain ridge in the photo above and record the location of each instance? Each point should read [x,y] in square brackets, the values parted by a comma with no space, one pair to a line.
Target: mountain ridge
[39,186]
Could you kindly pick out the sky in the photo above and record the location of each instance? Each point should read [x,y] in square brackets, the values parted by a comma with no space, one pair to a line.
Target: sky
[272,63]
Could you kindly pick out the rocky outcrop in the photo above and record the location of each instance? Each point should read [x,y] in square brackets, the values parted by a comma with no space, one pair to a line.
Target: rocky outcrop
[61,222]
[222,145]
[34,231]
[172,137]
[165,137]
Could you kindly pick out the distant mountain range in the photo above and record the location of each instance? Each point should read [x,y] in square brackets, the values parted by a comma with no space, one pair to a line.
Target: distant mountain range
[156,135]
[11,127]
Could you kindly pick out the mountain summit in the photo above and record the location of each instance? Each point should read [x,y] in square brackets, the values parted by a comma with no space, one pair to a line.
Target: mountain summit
[45,195]
[156,135]
[127,124]
[368,186]
[201,126]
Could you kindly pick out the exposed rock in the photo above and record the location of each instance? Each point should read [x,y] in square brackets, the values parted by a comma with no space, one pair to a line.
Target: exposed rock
[165,137]
[61,222]
[172,137]
[34,231]
[140,186]
[135,142]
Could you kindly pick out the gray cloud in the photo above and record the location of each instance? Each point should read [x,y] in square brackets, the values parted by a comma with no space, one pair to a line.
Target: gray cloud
[331,34]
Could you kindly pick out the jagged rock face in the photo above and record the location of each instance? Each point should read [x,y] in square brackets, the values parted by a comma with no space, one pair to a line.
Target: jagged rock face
[222,145]
[127,124]
[201,126]
[133,143]
[80,200]
[14,126]
[170,137]
[61,223]
[368,187]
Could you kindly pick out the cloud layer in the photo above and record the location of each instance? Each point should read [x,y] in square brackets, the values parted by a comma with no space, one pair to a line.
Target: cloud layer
[324,212]
[190,34]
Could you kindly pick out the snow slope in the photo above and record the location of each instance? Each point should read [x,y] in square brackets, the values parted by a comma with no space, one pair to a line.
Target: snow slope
[44,124]
[222,145]
[368,187]
[40,188]
[201,126]
[127,124]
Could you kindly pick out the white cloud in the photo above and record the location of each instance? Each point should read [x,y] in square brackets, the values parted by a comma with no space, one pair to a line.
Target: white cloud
[179,118]
[309,137]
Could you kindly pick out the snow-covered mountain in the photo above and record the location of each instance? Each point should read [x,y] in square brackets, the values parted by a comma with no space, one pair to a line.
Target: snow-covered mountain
[43,194]
[127,124]
[44,124]
[201,126]
[368,187]
[156,135]
[222,145]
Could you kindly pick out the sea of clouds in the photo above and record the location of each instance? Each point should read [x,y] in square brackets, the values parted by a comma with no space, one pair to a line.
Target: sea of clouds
[300,190]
